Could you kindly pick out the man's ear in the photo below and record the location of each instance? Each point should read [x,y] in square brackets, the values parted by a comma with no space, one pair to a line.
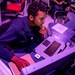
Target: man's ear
[31,17]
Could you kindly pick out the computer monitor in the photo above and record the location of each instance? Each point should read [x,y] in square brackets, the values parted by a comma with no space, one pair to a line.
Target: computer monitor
[52,63]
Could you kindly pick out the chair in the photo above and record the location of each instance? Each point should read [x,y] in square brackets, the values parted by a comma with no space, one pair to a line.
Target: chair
[16,7]
[48,4]
[60,17]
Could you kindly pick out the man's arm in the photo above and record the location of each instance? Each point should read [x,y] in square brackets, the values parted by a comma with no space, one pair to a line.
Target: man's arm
[9,36]
[5,53]
[59,3]
[56,2]
[9,56]
[6,38]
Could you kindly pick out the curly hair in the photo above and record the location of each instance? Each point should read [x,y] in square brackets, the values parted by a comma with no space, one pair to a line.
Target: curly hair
[35,7]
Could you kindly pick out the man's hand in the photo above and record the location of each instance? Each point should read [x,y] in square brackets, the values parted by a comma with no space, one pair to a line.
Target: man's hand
[19,62]
[43,30]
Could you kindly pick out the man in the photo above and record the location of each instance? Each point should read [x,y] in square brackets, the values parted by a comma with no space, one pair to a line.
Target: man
[58,5]
[23,35]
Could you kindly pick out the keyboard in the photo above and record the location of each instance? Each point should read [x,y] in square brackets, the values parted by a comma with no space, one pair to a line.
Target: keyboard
[52,48]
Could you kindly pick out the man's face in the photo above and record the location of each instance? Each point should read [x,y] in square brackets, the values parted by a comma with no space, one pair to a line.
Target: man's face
[40,18]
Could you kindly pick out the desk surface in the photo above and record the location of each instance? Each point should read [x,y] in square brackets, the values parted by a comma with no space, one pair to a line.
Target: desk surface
[32,54]
[65,37]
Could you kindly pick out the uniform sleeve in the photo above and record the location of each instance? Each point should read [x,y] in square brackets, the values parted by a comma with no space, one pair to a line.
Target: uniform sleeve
[5,38]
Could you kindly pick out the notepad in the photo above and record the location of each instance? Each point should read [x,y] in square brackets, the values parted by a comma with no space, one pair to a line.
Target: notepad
[13,67]
[59,28]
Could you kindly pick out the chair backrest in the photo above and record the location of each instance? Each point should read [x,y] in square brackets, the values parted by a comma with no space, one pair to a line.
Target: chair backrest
[51,3]
[48,2]
[16,7]
[59,16]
